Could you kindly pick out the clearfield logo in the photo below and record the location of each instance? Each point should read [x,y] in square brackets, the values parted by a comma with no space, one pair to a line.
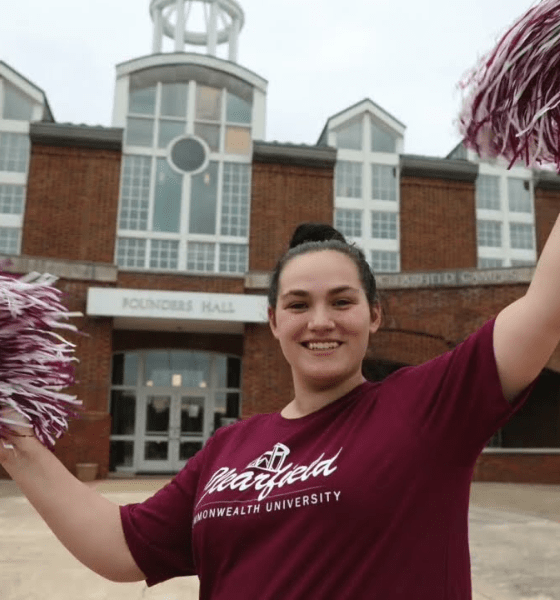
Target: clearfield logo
[269,471]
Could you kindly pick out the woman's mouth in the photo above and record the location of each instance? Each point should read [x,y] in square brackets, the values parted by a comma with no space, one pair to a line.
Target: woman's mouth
[321,345]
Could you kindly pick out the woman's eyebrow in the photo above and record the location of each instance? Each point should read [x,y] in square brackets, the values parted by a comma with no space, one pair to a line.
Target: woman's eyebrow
[334,291]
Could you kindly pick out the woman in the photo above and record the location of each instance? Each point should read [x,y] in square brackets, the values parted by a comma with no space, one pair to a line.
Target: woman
[355,489]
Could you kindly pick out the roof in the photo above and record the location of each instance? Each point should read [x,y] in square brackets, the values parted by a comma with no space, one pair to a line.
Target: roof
[48,116]
[80,136]
[294,154]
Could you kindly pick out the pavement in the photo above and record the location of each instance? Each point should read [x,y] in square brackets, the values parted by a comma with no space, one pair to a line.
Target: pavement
[514,538]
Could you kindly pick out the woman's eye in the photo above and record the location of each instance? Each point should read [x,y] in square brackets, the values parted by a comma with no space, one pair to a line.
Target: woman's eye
[297,305]
[342,302]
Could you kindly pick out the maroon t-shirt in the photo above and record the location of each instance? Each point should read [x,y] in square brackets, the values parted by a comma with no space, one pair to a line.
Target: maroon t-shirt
[365,498]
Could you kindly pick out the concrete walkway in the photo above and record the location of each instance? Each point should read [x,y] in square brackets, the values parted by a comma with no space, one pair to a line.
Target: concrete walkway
[514,532]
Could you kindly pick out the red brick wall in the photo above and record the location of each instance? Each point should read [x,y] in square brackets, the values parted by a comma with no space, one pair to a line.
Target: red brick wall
[181,283]
[547,208]
[205,342]
[72,203]
[518,468]
[282,197]
[438,225]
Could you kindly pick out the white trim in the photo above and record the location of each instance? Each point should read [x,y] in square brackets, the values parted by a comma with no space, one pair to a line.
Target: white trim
[23,85]
[370,107]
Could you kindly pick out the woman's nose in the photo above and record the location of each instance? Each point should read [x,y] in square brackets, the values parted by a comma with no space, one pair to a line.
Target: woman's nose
[320,318]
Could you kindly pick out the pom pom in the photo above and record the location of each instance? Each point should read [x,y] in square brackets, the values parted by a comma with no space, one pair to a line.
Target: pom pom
[36,363]
[512,97]
[315,232]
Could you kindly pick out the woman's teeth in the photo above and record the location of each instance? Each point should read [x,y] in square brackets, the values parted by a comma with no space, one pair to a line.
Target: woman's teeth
[323,345]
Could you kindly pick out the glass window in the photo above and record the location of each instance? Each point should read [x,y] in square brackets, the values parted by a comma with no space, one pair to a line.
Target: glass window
[384,262]
[381,139]
[238,140]
[131,253]
[227,407]
[122,454]
[208,103]
[167,198]
[143,101]
[169,130]
[233,258]
[521,235]
[235,199]
[174,99]
[17,105]
[383,183]
[139,132]
[210,134]
[519,195]
[204,193]
[349,222]
[384,225]
[201,256]
[188,154]
[11,199]
[14,152]
[238,110]
[125,369]
[489,233]
[178,368]
[490,263]
[348,177]
[488,192]
[135,193]
[228,372]
[350,136]
[522,263]
[164,254]
[9,240]
[123,412]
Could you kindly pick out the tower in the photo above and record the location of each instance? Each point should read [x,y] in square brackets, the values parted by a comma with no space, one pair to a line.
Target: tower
[221,22]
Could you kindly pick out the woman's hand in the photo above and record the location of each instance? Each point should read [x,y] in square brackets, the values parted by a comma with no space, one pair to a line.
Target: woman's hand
[20,428]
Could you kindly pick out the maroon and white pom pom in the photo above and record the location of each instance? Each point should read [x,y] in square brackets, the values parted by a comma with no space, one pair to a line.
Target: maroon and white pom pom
[512,102]
[36,363]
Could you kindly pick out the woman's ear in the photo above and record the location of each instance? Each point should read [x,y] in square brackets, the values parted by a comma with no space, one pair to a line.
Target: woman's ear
[376,318]
[272,321]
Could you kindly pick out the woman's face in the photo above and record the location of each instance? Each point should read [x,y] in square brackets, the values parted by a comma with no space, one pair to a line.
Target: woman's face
[322,319]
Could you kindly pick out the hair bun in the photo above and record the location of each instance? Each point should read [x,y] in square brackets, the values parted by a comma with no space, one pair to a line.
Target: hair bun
[315,232]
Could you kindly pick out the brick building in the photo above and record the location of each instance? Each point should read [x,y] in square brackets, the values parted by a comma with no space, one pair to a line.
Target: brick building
[163,229]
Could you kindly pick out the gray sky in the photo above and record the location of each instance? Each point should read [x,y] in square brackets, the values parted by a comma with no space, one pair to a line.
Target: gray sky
[319,56]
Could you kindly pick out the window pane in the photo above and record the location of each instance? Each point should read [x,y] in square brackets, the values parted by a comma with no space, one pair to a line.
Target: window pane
[235,199]
[17,105]
[384,262]
[489,233]
[11,199]
[349,222]
[350,136]
[238,110]
[384,225]
[381,140]
[233,258]
[142,102]
[383,183]
[490,263]
[210,134]
[227,408]
[204,193]
[135,193]
[174,99]
[9,240]
[238,140]
[521,235]
[522,263]
[519,196]
[122,454]
[348,177]
[167,198]
[164,254]
[188,154]
[188,449]
[14,152]
[139,132]
[200,257]
[131,253]
[208,103]
[123,412]
[125,369]
[169,130]
[488,192]
[192,414]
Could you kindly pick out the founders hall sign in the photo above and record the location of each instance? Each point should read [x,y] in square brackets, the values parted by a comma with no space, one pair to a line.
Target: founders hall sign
[195,306]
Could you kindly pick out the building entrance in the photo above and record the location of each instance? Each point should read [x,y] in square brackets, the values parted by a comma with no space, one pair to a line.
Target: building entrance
[173,428]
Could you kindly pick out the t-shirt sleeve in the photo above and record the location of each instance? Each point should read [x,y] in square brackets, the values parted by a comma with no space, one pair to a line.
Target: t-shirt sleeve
[455,401]
[158,530]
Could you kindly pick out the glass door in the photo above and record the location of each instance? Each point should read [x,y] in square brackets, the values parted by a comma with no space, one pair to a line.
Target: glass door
[174,427]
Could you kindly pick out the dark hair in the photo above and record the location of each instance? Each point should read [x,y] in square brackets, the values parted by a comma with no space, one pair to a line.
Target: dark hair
[313,237]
